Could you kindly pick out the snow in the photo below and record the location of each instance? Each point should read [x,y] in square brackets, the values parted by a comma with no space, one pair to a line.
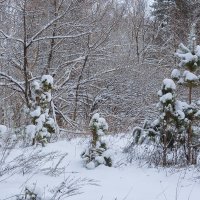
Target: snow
[30,130]
[169,84]
[108,153]
[48,96]
[94,120]
[51,122]
[36,112]
[175,74]
[103,124]
[36,85]
[90,165]
[197,113]
[3,129]
[155,122]
[48,79]
[100,132]
[187,55]
[166,97]
[95,116]
[181,105]
[198,50]
[40,121]
[100,159]
[123,181]
[180,114]
[189,76]
[100,124]
[159,93]
[198,102]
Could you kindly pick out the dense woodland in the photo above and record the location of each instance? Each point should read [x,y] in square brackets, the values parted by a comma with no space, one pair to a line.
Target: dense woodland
[104,56]
[118,78]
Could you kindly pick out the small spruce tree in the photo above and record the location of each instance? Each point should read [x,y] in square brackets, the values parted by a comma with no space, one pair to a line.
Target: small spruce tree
[166,107]
[98,152]
[190,62]
[43,125]
[168,132]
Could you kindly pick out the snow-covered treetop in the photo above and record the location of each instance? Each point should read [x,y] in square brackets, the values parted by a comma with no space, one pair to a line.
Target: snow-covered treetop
[168,84]
[176,74]
[42,90]
[166,97]
[99,124]
[189,56]
[189,76]
[103,124]
[46,83]
[48,79]
[188,59]
[95,117]
[167,94]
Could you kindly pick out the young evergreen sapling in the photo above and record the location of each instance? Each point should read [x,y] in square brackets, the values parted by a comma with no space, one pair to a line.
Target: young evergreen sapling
[98,152]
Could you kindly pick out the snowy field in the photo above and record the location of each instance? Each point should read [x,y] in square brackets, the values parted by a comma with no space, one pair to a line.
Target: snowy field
[59,164]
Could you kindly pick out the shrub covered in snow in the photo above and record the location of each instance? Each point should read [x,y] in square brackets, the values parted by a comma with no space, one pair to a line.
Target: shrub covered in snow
[43,125]
[98,152]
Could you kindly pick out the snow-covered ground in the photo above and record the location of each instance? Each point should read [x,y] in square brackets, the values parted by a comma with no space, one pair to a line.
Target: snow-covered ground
[46,168]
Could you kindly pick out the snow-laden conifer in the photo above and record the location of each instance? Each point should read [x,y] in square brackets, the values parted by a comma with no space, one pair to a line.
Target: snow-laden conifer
[43,125]
[190,64]
[98,152]
[168,133]
[175,130]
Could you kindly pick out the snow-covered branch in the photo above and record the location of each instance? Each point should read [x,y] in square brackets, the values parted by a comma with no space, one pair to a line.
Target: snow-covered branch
[10,37]
[33,39]
[60,37]
[14,81]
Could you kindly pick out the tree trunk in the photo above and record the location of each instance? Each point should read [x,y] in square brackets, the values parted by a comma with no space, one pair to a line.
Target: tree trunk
[25,59]
[95,138]
[189,140]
